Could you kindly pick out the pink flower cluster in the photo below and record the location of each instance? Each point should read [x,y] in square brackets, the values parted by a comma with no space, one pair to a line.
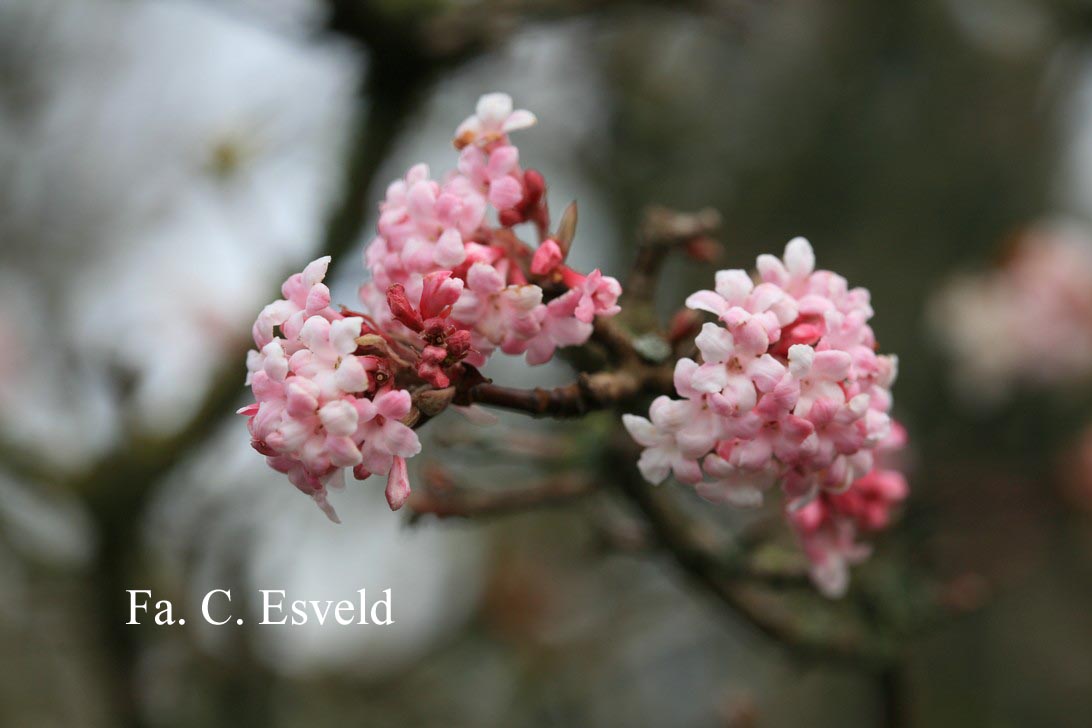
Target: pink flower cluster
[789,389]
[829,525]
[321,407]
[451,283]
[1029,322]
[514,298]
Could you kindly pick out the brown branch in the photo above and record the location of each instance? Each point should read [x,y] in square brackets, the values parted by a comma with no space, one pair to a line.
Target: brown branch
[590,392]
[442,498]
[663,230]
[738,591]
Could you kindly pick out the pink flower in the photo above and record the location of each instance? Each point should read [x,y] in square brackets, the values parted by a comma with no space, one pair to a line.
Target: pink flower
[384,437]
[547,258]
[398,486]
[664,453]
[598,297]
[736,295]
[734,485]
[444,344]
[450,283]
[496,173]
[305,295]
[428,227]
[735,371]
[499,315]
[828,527]
[492,121]
[791,272]
[789,390]
[317,411]
[819,375]
[559,325]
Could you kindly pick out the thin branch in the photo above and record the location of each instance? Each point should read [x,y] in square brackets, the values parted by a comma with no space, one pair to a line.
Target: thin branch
[590,392]
[677,535]
[442,498]
[662,231]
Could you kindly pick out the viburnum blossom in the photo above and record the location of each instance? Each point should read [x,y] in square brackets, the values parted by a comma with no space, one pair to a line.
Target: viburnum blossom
[516,298]
[828,527]
[450,283]
[1029,322]
[789,390]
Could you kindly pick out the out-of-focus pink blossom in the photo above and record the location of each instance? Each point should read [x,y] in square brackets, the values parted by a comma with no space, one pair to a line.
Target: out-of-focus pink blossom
[1026,323]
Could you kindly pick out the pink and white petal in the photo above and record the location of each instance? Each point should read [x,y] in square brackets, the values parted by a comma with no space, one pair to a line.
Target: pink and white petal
[483,278]
[394,404]
[707,301]
[319,497]
[570,331]
[449,251]
[709,378]
[505,192]
[344,333]
[801,357]
[365,410]
[398,486]
[715,343]
[350,375]
[654,464]
[751,338]
[684,374]
[401,440]
[670,414]
[766,372]
[641,430]
[502,160]
[799,257]
[375,460]
[772,270]
[696,440]
[686,470]
[315,271]
[343,452]
[318,298]
[734,285]
[540,350]
[752,454]
[469,129]
[339,418]
[493,109]
[831,365]
[519,119]
[765,296]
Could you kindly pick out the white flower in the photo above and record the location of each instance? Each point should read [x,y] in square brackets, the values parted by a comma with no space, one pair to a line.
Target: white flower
[493,120]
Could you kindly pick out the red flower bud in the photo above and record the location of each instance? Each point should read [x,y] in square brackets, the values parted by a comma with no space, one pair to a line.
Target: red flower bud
[458,344]
[401,308]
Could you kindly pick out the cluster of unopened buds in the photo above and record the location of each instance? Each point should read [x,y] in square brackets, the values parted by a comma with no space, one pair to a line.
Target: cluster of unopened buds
[789,390]
[451,283]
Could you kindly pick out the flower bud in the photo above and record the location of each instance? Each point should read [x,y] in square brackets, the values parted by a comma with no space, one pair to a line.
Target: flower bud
[434,401]
[402,309]
[566,229]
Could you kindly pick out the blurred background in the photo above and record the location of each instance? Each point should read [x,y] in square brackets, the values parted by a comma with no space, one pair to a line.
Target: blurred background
[165,163]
